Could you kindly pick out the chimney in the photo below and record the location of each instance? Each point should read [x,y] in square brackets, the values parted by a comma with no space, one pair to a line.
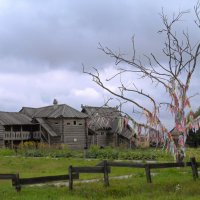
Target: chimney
[55,102]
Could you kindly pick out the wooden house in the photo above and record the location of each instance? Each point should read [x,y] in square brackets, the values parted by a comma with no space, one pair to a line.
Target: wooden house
[55,124]
[107,127]
[15,128]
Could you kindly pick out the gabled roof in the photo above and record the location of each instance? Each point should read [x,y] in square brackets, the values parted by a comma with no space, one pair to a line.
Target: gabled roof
[101,118]
[53,111]
[111,112]
[14,118]
[127,132]
[105,118]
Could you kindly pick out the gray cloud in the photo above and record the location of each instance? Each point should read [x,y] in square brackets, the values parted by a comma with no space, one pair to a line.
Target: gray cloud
[43,43]
[66,33]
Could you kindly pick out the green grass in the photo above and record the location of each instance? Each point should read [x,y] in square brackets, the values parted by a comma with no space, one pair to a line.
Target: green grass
[167,183]
[32,167]
[164,186]
[93,152]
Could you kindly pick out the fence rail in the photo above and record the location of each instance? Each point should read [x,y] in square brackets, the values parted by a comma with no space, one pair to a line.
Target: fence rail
[17,181]
[104,168]
[45,179]
[193,164]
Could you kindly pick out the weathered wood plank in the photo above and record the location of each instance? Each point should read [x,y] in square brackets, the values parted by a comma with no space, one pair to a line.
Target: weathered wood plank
[148,173]
[36,180]
[7,176]
[70,178]
[16,183]
[198,164]
[55,124]
[194,168]
[151,165]
[126,164]
[166,165]
[106,171]
[89,169]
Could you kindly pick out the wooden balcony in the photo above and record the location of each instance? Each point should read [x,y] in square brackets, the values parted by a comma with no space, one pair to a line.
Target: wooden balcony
[21,135]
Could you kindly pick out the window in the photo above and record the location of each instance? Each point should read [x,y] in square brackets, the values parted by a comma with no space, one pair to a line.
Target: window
[68,123]
[80,124]
[74,122]
[16,128]
[102,133]
[7,128]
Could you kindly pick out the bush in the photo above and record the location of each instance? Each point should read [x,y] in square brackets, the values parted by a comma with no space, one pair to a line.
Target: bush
[127,154]
[7,152]
[104,153]
[31,149]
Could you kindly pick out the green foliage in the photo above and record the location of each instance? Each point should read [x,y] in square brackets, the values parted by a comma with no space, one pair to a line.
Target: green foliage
[193,152]
[106,153]
[127,154]
[167,183]
[31,149]
[193,139]
[7,152]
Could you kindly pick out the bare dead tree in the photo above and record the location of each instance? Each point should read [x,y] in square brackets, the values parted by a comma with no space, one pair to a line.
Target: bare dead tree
[174,76]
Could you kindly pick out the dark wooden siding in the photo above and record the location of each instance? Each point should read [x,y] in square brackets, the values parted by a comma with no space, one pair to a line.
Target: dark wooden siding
[102,138]
[55,124]
[56,140]
[74,133]
[1,136]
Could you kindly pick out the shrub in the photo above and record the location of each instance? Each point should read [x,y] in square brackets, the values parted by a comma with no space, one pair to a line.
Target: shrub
[7,152]
[31,149]
[127,154]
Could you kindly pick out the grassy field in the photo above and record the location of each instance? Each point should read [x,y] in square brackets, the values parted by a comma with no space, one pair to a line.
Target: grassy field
[167,183]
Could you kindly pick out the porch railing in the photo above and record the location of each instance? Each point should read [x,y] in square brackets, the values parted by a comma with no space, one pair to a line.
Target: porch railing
[21,135]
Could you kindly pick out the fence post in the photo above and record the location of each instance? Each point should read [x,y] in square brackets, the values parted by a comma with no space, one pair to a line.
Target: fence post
[194,168]
[106,178]
[148,173]
[70,178]
[16,182]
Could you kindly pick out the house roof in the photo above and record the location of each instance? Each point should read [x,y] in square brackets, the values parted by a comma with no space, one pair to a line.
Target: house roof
[14,118]
[101,118]
[53,111]
[127,132]
[46,127]
[111,112]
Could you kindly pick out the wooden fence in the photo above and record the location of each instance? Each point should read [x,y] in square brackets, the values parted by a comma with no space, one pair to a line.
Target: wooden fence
[17,181]
[104,168]
[148,166]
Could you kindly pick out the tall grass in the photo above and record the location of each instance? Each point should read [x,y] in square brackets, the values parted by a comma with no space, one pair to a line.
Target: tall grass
[30,149]
[128,154]
[168,184]
[165,187]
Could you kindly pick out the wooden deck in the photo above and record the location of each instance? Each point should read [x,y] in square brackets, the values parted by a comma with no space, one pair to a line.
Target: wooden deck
[21,135]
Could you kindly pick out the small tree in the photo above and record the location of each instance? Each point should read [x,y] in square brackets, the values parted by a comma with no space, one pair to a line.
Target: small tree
[174,77]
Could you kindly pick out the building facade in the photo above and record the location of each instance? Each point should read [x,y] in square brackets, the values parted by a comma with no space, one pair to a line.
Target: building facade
[107,127]
[55,124]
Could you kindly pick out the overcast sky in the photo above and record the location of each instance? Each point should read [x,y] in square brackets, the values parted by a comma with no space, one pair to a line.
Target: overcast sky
[44,43]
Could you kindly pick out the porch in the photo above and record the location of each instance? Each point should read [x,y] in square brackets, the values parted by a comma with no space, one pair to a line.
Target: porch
[21,135]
